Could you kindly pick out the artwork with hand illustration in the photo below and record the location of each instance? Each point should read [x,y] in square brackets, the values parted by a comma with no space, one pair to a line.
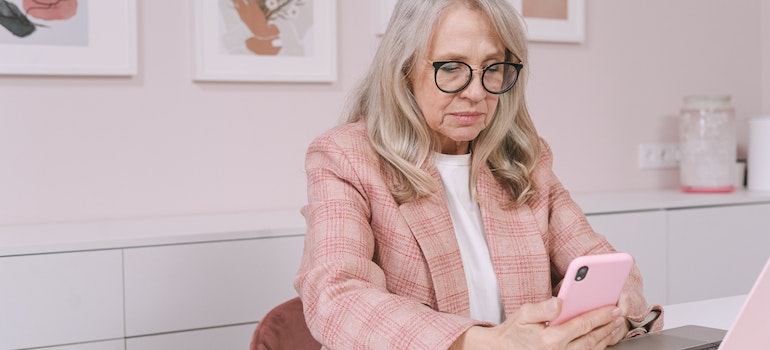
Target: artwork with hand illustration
[265,40]
[267,27]
[44,22]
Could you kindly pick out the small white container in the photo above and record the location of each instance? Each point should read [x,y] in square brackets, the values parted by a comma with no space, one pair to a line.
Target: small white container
[758,162]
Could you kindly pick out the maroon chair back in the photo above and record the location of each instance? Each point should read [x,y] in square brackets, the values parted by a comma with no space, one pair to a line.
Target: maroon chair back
[284,327]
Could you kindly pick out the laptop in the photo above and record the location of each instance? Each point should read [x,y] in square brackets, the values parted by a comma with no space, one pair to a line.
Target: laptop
[748,331]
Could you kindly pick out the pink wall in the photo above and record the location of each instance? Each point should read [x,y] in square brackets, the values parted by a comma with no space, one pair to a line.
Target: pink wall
[159,144]
[597,101]
[765,42]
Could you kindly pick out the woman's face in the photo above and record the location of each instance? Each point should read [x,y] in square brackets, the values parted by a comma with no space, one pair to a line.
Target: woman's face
[466,35]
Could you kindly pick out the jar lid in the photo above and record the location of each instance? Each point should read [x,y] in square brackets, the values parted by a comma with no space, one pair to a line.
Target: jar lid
[707,101]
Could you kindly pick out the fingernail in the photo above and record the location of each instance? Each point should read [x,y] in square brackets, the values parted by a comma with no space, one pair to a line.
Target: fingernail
[616,312]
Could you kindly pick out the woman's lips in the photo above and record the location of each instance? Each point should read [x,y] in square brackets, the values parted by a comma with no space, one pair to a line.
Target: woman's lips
[467,117]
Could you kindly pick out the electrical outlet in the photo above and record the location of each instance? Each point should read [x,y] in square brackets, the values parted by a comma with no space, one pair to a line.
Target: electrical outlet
[658,156]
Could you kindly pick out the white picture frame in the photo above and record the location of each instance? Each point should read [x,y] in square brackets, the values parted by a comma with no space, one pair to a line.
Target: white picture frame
[307,41]
[99,39]
[569,30]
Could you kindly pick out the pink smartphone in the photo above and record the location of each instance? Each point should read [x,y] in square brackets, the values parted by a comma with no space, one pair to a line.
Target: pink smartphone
[592,281]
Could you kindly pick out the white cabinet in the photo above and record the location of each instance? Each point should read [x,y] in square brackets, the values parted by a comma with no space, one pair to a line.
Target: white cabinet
[206,295]
[643,235]
[52,299]
[198,282]
[688,246]
[716,251]
[204,282]
[191,286]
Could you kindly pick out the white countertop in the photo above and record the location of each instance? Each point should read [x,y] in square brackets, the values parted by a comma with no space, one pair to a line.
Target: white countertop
[614,202]
[716,313]
[92,235]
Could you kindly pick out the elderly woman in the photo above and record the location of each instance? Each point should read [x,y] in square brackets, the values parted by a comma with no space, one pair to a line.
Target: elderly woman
[434,218]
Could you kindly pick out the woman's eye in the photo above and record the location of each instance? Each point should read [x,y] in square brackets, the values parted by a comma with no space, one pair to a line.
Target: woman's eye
[450,67]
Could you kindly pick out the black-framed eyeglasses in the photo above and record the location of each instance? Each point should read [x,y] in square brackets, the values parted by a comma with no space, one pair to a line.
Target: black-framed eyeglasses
[454,76]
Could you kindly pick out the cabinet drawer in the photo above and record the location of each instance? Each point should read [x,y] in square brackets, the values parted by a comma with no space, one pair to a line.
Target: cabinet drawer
[181,287]
[716,252]
[224,338]
[66,298]
[118,344]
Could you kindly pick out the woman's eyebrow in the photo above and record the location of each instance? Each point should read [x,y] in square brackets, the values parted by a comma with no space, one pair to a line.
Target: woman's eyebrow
[499,56]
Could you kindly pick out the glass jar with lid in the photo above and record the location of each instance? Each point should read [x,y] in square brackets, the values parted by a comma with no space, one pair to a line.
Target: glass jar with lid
[707,144]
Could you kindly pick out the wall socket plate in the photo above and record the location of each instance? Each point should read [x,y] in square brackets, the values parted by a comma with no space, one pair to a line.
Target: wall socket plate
[658,156]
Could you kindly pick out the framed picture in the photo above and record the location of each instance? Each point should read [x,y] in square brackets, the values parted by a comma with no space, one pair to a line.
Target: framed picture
[68,37]
[546,20]
[553,20]
[265,40]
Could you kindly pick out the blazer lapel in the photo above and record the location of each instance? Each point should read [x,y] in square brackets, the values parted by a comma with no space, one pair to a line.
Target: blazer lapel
[431,224]
[515,246]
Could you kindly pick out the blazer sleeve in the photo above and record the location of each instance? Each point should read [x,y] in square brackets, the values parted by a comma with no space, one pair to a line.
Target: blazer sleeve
[569,235]
[346,303]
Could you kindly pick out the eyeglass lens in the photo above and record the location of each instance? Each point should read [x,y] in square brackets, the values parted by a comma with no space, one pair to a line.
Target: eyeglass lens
[454,76]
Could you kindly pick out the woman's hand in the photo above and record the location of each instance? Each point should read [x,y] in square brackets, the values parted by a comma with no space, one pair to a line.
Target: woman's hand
[624,303]
[526,329]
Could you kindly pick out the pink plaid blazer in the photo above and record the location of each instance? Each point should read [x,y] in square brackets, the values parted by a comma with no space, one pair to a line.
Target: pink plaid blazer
[378,275]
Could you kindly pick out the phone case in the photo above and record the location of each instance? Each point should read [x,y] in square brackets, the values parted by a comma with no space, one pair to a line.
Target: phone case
[599,286]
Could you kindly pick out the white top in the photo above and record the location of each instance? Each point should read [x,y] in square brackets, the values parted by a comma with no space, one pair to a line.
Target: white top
[483,290]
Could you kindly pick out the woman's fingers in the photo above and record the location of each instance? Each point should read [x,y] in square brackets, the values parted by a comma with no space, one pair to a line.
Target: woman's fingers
[594,329]
[539,313]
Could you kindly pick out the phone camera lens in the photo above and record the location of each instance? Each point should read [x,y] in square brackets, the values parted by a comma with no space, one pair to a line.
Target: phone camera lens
[581,273]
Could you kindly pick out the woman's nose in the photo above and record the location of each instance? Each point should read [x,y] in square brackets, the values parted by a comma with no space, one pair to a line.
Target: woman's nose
[475,90]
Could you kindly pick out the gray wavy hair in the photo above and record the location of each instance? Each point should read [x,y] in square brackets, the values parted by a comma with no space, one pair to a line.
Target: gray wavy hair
[509,145]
